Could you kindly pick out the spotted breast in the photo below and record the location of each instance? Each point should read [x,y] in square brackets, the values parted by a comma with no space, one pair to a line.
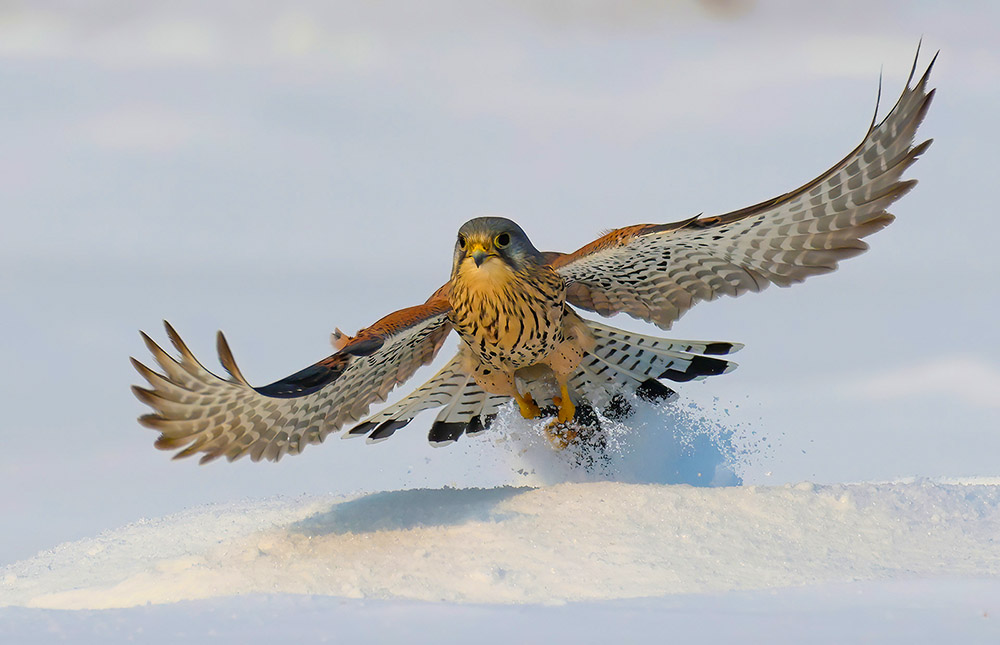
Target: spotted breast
[510,319]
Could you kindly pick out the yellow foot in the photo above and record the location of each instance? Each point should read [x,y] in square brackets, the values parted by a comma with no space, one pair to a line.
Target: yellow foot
[529,409]
[560,435]
[566,408]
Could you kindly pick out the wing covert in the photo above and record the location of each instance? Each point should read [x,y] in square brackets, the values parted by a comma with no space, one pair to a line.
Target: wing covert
[656,272]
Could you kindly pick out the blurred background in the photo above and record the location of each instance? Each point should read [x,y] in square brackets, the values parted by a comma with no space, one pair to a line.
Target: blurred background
[278,169]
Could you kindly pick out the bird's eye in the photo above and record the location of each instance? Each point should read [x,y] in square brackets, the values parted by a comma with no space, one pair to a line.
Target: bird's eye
[502,240]
[461,242]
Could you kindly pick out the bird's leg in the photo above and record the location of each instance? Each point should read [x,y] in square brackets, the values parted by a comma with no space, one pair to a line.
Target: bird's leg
[498,381]
[564,361]
[559,433]
[566,408]
[529,409]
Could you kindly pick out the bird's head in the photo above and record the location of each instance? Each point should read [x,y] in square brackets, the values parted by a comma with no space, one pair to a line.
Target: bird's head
[493,244]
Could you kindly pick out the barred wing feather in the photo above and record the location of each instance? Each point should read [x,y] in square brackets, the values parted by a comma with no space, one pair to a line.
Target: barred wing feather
[197,411]
[656,272]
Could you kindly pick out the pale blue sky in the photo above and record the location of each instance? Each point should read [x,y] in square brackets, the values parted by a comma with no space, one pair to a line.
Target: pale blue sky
[276,172]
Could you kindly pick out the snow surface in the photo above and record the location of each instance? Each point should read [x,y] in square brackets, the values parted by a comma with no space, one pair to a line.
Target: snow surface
[890,562]
[906,612]
[568,542]
[654,538]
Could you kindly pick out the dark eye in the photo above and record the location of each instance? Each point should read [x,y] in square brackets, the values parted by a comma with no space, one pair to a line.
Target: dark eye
[461,241]
[502,240]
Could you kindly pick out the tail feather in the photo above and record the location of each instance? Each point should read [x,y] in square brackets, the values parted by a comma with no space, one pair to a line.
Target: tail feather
[471,410]
[467,408]
[620,362]
[625,361]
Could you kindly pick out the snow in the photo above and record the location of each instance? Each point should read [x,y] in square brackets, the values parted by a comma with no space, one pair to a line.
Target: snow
[889,559]
[657,536]
[408,543]
[921,611]
[564,543]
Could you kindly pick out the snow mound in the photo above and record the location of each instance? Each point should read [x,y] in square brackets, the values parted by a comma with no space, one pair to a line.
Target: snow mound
[569,542]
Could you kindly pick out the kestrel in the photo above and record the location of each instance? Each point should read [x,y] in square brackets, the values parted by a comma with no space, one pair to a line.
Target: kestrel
[514,309]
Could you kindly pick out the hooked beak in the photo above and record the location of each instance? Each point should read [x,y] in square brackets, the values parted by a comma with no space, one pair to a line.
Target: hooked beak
[478,254]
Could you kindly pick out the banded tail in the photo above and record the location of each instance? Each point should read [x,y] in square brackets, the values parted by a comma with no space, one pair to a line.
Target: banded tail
[621,362]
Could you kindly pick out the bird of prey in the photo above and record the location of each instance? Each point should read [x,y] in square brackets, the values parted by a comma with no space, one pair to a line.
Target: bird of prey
[514,309]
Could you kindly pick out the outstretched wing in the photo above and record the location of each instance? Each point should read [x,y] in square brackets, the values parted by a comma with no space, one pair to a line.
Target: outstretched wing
[197,411]
[656,272]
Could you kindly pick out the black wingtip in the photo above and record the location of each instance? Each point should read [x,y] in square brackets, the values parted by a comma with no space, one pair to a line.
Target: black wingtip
[699,366]
[302,382]
[718,348]
[386,429]
[652,390]
[479,424]
[360,430]
[363,347]
[443,432]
